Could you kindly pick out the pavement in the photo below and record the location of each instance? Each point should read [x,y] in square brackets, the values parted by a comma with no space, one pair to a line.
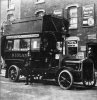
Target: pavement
[2,72]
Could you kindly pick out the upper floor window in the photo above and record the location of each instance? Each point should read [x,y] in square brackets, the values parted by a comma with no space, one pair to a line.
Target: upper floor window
[9,3]
[11,6]
[72,16]
[10,17]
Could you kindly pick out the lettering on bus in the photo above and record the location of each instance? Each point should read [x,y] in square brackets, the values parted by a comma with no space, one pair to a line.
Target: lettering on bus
[20,55]
[22,36]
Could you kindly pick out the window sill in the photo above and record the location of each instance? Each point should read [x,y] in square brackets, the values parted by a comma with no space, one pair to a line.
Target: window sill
[10,9]
[39,2]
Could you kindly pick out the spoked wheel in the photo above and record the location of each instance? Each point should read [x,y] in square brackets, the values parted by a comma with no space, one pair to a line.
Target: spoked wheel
[65,79]
[14,73]
[89,83]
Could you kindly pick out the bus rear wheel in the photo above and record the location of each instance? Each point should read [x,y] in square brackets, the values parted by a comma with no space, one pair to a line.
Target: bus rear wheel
[14,73]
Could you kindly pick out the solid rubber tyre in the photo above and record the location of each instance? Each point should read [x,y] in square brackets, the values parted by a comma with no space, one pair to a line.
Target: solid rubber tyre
[65,79]
[14,73]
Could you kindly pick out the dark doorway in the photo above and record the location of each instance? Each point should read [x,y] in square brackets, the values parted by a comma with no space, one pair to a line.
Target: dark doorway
[92,52]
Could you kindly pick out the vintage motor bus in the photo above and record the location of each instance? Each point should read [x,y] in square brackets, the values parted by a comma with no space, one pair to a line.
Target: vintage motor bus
[42,42]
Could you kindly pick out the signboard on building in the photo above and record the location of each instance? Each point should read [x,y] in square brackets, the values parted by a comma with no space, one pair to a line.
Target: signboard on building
[22,36]
[58,12]
[92,36]
[72,43]
[88,15]
[83,48]
[80,55]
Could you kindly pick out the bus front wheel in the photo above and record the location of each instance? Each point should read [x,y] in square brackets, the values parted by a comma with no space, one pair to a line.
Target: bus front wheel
[65,79]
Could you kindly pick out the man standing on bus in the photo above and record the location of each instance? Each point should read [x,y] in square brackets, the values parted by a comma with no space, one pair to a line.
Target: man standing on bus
[28,69]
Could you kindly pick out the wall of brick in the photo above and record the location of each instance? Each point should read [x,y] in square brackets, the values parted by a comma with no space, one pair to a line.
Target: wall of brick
[3,15]
[3,12]
[28,9]
[15,8]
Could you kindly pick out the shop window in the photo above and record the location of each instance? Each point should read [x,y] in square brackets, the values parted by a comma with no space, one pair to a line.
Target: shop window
[24,44]
[73,17]
[39,13]
[35,44]
[72,45]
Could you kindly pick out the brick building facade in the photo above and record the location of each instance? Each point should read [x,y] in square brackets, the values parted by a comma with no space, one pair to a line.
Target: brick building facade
[3,12]
[3,16]
[9,11]
[82,16]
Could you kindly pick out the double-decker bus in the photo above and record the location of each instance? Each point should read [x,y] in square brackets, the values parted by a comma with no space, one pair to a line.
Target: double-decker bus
[40,44]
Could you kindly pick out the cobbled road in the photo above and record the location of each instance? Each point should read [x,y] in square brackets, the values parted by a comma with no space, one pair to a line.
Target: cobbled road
[46,90]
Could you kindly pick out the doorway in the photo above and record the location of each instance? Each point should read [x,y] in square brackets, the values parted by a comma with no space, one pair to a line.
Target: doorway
[92,52]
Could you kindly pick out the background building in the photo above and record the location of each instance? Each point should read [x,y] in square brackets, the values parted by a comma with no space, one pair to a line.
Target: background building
[3,12]
[9,11]
[3,15]
[82,16]
[13,11]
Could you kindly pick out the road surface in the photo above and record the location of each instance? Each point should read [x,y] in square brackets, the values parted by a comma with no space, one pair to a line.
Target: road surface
[47,90]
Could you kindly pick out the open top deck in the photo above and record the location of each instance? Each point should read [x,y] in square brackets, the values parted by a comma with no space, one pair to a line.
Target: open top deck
[36,25]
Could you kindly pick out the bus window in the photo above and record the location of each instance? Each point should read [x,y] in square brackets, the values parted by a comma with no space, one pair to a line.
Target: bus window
[9,45]
[35,44]
[16,44]
[24,44]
